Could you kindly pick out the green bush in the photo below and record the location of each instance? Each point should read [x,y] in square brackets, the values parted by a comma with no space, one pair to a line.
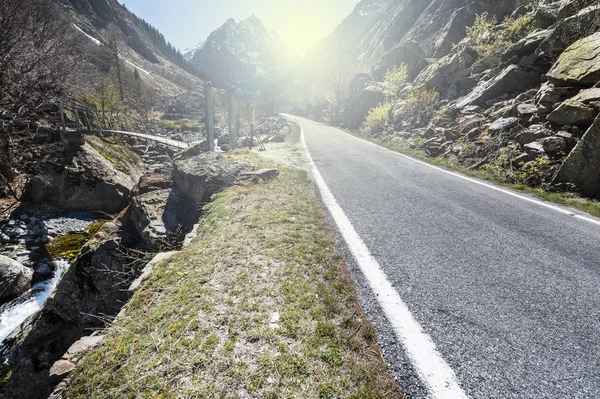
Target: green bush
[511,31]
[395,78]
[377,119]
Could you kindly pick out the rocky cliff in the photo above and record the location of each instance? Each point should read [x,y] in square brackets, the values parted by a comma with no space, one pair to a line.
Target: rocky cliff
[497,86]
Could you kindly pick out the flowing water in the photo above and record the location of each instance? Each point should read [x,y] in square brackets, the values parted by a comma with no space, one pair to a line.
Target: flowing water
[13,313]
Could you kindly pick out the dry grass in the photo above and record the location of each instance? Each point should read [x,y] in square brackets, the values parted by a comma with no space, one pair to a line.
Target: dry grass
[205,325]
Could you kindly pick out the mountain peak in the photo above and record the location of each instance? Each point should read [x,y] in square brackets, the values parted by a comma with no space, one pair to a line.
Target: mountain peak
[245,54]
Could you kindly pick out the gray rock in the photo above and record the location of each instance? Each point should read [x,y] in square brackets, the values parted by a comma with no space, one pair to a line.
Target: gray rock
[583,163]
[15,278]
[588,95]
[522,158]
[550,94]
[579,64]
[554,144]
[536,148]
[199,177]
[573,112]
[569,29]
[409,53]
[513,78]
[533,133]
[526,109]
[568,138]
[86,182]
[503,125]
[527,45]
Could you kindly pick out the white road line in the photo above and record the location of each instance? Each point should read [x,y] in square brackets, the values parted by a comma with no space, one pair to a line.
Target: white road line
[433,370]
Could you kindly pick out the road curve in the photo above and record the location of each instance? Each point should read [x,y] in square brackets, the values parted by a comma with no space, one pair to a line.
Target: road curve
[506,288]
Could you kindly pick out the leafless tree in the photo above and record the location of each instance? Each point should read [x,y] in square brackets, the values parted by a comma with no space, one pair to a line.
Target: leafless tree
[114,44]
[36,54]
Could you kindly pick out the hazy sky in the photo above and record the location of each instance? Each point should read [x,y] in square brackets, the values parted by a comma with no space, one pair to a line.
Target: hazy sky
[300,23]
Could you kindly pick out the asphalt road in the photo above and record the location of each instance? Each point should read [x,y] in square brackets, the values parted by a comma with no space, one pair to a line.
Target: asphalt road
[508,290]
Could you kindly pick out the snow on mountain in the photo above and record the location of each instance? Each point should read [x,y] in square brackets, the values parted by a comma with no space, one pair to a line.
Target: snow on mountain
[244,54]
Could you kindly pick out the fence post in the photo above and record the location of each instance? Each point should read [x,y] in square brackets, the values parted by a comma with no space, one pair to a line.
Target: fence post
[232,119]
[209,116]
[63,125]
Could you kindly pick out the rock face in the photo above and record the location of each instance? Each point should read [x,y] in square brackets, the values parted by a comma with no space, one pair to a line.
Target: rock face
[84,180]
[365,94]
[201,176]
[579,64]
[513,78]
[582,165]
[15,278]
[94,287]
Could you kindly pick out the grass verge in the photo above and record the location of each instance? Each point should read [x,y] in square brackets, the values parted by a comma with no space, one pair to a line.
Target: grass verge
[260,306]
[569,199]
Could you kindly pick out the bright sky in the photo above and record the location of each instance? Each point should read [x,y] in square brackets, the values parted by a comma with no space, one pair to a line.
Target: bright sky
[300,23]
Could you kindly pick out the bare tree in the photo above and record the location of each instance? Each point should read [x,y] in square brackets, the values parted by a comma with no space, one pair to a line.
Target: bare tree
[114,45]
[36,54]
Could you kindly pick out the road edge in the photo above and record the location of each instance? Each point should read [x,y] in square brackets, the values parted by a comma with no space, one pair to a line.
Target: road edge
[437,376]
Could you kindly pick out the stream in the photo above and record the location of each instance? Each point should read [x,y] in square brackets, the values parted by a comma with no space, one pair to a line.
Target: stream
[13,313]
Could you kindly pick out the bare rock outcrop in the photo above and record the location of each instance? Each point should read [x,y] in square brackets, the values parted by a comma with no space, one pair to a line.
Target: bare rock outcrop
[582,165]
[15,278]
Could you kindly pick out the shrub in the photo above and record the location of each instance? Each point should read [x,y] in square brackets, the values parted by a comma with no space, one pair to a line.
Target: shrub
[377,119]
[511,31]
[395,78]
[421,102]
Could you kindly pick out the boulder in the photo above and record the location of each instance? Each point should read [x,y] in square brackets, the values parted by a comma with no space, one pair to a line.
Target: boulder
[583,163]
[535,149]
[154,216]
[15,279]
[550,94]
[153,181]
[513,78]
[579,64]
[60,370]
[527,45]
[449,70]
[527,109]
[554,144]
[588,95]
[503,125]
[83,180]
[533,133]
[568,138]
[201,176]
[573,112]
